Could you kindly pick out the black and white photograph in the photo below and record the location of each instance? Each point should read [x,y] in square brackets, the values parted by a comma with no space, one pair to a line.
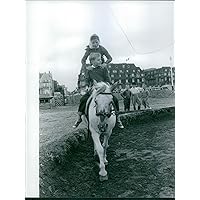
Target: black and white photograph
[106,97]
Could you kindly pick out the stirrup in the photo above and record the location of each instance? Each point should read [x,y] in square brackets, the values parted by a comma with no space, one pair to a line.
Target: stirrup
[77,123]
[120,125]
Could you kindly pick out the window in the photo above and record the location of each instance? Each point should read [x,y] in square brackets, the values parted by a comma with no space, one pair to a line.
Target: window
[109,66]
[138,80]
[112,75]
[120,75]
[127,70]
[114,71]
[113,81]
[165,74]
[120,71]
[126,80]
[120,81]
[133,70]
[132,75]
[133,80]
[126,75]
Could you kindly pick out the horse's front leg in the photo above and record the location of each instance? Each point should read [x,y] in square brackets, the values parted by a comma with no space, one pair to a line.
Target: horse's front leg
[95,151]
[100,152]
[105,146]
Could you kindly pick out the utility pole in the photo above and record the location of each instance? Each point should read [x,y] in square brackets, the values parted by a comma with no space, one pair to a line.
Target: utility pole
[172,82]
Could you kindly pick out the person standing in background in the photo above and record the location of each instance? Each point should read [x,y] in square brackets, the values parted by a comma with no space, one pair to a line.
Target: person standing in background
[135,99]
[145,97]
[127,98]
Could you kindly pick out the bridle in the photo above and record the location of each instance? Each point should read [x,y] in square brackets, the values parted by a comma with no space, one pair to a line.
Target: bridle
[104,114]
[102,126]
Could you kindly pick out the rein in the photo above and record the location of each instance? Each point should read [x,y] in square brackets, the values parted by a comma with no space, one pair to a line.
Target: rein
[106,93]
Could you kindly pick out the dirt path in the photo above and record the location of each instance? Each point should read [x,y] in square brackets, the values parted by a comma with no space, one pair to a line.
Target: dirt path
[141,164]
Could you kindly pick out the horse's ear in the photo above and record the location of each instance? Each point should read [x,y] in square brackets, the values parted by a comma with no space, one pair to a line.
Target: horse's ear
[101,89]
[114,86]
[94,82]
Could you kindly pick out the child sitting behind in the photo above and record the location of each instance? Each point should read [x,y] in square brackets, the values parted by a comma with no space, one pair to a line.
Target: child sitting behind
[99,74]
[95,47]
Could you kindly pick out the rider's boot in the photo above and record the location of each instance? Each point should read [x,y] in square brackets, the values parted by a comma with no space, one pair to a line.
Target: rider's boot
[79,120]
[119,122]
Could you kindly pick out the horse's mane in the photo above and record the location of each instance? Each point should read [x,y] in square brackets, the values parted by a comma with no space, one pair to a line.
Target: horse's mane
[99,88]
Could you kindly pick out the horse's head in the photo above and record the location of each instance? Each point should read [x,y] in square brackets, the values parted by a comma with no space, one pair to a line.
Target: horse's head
[104,103]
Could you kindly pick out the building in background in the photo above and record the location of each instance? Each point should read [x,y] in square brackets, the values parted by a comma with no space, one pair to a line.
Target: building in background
[159,76]
[50,92]
[46,87]
[124,73]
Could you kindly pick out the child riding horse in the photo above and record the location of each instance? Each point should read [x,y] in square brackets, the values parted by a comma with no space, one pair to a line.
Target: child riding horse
[99,74]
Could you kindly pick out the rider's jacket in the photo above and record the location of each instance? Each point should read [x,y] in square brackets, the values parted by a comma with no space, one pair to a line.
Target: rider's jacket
[98,74]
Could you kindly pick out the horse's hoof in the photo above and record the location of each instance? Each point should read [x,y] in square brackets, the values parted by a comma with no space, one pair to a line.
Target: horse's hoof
[103,178]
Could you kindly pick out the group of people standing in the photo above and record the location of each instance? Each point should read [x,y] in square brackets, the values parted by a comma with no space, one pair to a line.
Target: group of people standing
[138,97]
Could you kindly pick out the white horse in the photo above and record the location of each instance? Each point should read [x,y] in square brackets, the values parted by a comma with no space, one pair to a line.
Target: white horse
[102,120]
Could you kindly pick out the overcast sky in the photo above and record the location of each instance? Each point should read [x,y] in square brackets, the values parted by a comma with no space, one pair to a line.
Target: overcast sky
[58,32]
